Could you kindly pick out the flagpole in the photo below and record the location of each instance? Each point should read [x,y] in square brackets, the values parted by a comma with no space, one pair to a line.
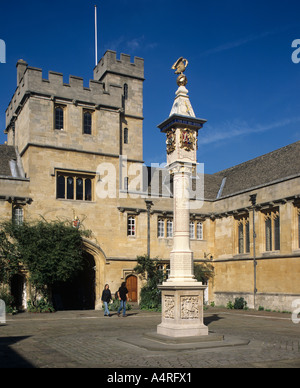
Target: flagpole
[96,37]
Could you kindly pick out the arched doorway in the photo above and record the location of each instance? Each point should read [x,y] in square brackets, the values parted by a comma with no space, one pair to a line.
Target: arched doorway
[18,291]
[79,293]
[131,284]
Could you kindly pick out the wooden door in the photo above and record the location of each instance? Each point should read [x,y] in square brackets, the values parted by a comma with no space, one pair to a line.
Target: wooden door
[131,284]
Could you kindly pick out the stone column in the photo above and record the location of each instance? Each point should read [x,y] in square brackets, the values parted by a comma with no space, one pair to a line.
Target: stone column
[182,295]
[181,263]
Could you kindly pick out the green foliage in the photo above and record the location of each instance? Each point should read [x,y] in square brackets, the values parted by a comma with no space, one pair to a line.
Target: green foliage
[50,251]
[150,294]
[230,305]
[9,257]
[150,299]
[203,272]
[239,304]
[40,306]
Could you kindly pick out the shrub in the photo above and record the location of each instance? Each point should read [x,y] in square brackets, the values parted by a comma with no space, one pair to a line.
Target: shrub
[150,294]
[240,304]
[40,306]
[150,298]
[230,305]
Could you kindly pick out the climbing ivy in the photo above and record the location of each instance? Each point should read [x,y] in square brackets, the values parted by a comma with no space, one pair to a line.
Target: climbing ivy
[49,251]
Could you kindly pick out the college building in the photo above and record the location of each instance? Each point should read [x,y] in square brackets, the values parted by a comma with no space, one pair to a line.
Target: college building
[76,152]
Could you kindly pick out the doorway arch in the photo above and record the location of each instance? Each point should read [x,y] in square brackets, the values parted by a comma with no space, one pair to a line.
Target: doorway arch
[18,291]
[78,293]
[132,287]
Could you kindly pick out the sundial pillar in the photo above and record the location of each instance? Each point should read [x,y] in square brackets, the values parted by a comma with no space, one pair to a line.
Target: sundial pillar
[182,294]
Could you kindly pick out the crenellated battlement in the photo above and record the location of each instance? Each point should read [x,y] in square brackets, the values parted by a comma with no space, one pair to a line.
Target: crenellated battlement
[123,66]
[30,82]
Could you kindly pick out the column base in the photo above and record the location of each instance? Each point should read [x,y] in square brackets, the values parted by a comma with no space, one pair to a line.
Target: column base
[182,310]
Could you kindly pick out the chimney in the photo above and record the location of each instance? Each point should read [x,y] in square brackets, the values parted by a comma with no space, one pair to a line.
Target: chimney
[21,68]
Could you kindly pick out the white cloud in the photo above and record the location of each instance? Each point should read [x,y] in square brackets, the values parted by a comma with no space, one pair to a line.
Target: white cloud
[237,43]
[238,128]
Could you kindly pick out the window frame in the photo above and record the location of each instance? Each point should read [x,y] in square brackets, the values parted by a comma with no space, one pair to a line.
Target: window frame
[126,136]
[71,192]
[90,113]
[131,225]
[200,229]
[272,230]
[18,215]
[160,228]
[62,108]
[243,234]
[192,230]
[170,228]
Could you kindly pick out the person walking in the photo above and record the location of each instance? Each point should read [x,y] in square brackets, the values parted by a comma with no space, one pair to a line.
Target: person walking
[106,298]
[123,297]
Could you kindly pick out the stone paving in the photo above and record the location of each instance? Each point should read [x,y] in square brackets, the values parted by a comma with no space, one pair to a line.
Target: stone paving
[87,339]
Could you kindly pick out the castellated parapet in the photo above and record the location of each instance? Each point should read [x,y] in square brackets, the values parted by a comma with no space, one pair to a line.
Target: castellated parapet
[115,103]
[110,64]
[101,92]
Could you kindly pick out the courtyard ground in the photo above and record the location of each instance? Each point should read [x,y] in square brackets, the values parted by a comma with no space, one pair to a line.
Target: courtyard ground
[87,339]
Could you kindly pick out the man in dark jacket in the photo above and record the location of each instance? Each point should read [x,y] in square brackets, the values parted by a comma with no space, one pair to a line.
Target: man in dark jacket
[106,298]
[123,297]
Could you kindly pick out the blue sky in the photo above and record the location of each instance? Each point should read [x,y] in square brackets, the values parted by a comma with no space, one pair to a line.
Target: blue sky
[241,75]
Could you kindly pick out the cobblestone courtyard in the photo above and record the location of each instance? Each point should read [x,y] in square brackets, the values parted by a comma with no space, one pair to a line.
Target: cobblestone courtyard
[86,339]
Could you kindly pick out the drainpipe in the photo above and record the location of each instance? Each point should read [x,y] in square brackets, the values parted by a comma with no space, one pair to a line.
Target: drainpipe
[253,201]
[149,205]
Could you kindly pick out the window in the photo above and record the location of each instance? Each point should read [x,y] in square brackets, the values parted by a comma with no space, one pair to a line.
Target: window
[169,228]
[161,228]
[199,231]
[79,189]
[131,226]
[243,235]
[277,233]
[59,118]
[126,138]
[61,186]
[125,92]
[247,232]
[126,182]
[241,238]
[88,190]
[192,230]
[17,215]
[70,188]
[165,228]
[73,187]
[272,230]
[87,122]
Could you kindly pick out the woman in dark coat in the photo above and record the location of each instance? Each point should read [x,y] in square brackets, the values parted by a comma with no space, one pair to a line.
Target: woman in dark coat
[106,298]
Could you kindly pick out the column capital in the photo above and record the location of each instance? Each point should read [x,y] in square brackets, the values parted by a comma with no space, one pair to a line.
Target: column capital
[182,168]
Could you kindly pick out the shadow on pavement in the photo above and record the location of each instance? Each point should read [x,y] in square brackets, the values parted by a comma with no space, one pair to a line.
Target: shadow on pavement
[9,358]
[212,318]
